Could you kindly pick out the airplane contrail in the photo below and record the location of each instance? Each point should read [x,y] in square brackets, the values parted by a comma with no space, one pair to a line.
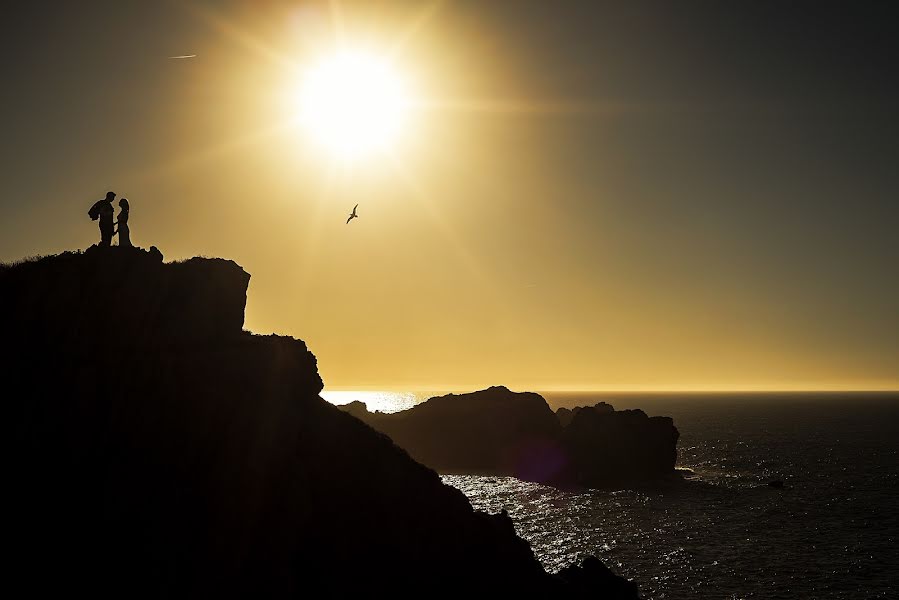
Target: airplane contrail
[183,56]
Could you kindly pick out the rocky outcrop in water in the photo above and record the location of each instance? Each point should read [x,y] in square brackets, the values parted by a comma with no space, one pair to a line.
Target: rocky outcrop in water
[614,447]
[155,449]
[500,432]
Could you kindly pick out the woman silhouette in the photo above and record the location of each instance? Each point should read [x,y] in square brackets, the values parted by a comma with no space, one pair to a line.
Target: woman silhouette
[123,231]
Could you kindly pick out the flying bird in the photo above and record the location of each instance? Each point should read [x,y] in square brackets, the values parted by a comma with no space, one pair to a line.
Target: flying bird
[181,56]
[353,214]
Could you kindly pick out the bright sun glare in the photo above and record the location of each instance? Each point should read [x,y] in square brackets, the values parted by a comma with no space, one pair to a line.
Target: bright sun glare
[354,104]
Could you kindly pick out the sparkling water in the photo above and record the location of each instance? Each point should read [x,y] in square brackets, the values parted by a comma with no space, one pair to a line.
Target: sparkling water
[831,532]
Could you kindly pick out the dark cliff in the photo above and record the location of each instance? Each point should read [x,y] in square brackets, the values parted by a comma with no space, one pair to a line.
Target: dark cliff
[499,432]
[124,298]
[157,450]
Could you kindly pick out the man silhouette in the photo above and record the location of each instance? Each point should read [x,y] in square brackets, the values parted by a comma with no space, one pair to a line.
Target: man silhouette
[103,210]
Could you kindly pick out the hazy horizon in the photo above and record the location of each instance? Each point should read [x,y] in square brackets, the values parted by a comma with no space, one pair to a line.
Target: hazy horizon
[457,389]
[650,196]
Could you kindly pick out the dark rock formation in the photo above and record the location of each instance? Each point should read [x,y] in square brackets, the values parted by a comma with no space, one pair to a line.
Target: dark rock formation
[157,450]
[565,415]
[614,447]
[133,300]
[499,432]
[593,572]
[493,431]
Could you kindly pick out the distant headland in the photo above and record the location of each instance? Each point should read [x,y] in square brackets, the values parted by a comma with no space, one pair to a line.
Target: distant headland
[500,432]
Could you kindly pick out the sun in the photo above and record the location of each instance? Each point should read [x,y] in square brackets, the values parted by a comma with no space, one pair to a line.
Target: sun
[354,104]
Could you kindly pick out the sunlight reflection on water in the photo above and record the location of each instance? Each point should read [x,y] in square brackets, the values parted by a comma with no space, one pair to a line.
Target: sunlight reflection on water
[387,402]
[830,533]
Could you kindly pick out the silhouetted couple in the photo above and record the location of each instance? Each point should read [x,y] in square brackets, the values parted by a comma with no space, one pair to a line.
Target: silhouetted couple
[103,210]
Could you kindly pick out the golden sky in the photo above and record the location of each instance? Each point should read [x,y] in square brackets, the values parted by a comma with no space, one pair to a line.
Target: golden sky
[584,197]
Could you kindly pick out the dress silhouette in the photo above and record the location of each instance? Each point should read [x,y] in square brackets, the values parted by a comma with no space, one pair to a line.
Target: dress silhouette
[123,231]
[103,210]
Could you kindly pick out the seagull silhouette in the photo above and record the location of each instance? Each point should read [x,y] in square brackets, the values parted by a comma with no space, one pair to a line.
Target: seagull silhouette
[353,214]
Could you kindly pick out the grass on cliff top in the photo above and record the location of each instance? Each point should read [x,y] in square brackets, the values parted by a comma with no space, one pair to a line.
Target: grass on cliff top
[26,260]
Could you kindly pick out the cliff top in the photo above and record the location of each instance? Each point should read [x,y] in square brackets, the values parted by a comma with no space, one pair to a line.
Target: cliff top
[123,297]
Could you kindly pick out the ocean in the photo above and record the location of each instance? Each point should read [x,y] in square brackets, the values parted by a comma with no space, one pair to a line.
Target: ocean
[831,532]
